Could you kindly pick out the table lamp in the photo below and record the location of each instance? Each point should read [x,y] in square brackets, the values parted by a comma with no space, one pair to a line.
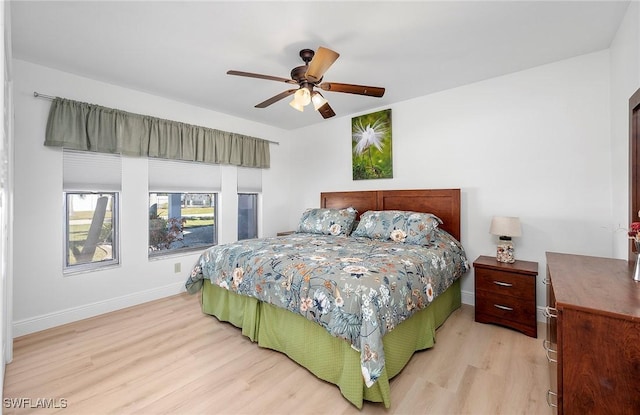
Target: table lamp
[505,227]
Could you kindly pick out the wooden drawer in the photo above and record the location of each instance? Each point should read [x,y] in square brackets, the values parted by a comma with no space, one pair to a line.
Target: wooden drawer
[505,307]
[505,283]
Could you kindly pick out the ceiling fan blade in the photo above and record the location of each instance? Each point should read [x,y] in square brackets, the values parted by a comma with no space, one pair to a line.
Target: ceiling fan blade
[326,111]
[321,61]
[276,98]
[260,76]
[372,91]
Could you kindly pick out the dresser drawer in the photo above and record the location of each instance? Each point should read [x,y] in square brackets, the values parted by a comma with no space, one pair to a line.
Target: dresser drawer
[505,307]
[505,283]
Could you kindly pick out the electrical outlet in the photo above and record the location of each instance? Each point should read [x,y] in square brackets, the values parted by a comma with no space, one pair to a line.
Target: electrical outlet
[176,267]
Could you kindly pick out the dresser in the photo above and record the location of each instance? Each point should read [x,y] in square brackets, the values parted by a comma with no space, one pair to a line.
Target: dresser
[505,294]
[593,335]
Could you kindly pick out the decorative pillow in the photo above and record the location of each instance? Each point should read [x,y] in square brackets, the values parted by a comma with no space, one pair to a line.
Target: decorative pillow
[328,221]
[382,224]
[421,228]
[398,225]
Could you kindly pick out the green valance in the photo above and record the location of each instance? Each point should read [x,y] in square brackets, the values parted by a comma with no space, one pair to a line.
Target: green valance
[81,126]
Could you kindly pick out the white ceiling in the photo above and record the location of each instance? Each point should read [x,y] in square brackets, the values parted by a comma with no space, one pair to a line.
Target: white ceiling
[182,50]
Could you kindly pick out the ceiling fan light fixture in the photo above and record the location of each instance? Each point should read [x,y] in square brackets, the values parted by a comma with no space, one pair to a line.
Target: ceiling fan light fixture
[302,96]
[309,76]
[318,100]
[295,104]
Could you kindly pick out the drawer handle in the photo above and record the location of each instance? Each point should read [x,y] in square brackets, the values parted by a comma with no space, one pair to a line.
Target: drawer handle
[503,307]
[503,284]
[546,344]
[550,312]
[549,393]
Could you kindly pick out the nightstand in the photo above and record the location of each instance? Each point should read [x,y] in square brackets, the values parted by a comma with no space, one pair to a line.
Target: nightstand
[285,233]
[506,294]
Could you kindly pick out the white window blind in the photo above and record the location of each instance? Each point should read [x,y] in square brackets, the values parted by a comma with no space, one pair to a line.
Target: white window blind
[249,180]
[89,171]
[183,176]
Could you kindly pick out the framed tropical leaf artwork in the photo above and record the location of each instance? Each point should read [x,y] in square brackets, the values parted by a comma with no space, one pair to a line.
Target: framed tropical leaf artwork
[371,145]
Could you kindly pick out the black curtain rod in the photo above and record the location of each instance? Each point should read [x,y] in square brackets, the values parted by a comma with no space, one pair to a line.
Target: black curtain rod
[39,95]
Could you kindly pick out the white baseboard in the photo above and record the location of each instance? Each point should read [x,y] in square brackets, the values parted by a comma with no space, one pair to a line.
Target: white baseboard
[46,321]
[468,297]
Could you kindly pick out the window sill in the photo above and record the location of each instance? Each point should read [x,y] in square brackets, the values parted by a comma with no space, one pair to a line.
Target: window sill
[180,253]
[68,272]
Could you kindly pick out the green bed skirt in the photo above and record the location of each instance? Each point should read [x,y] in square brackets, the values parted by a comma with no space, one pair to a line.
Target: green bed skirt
[330,358]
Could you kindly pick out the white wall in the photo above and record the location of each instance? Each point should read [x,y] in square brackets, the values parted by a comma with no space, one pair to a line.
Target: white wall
[43,297]
[549,145]
[6,187]
[534,144]
[625,80]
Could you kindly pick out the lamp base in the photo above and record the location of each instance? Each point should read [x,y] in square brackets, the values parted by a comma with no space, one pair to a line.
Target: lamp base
[505,252]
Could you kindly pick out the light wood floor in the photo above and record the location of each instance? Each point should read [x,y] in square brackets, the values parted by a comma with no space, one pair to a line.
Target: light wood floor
[167,357]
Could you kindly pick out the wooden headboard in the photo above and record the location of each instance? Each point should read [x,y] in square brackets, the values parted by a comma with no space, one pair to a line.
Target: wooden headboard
[444,203]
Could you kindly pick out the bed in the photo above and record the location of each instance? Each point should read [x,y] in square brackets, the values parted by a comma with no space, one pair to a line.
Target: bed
[360,287]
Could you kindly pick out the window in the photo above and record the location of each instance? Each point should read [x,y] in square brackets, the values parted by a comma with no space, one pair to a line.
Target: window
[91,230]
[247,216]
[181,222]
[92,182]
[182,206]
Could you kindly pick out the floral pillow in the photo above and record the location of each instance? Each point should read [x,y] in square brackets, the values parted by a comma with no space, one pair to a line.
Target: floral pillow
[382,224]
[398,225]
[421,228]
[328,221]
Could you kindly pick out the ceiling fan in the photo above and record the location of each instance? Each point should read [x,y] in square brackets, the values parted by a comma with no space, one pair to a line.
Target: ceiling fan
[308,77]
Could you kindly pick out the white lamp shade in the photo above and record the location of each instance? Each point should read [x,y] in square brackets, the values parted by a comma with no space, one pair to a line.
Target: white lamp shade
[302,96]
[318,100]
[295,104]
[505,226]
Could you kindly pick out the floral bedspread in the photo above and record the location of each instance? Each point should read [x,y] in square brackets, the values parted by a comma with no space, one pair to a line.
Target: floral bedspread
[356,288]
